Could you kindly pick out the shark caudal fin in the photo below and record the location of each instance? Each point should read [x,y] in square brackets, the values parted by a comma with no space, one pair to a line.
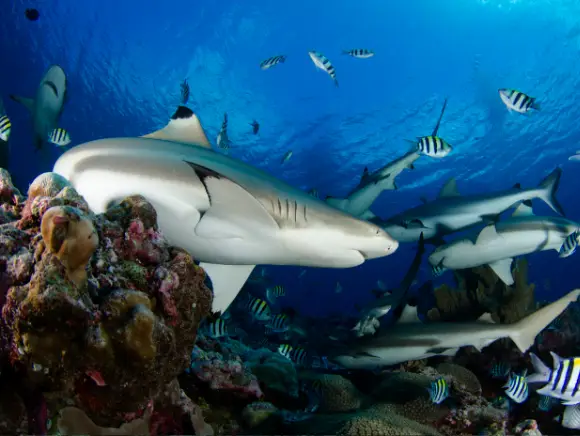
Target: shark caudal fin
[524,332]
[549,187]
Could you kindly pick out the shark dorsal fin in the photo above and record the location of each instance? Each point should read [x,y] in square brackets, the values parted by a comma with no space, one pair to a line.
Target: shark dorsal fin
[449,189]
[524,209]
[183,127]
[487,234]
[409,315]
[486,318]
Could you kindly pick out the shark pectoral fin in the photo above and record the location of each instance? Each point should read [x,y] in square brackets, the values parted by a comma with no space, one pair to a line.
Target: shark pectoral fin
[339,203]
[227,280]
[449,189]
[28,103]
[503,269]
[232,212]
[184,127]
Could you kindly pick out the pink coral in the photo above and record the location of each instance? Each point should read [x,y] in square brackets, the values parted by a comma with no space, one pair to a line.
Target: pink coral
[144,244]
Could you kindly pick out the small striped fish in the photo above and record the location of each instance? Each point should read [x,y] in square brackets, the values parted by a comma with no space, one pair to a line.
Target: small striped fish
[500,370]
[184,92]
[360,53]
[272,294]
[223,141]
[286,157]
[570,244]
[270,62]
[338,288]
[285,350]
[571,417]
[518,101]
[433,146]
[545,403]
[324,64]
[517,388]
[5,128]
[279,323]
[217,328]
[299,356]
[563,380]
[59,137]
[437,270]
[259,309]
[438,391]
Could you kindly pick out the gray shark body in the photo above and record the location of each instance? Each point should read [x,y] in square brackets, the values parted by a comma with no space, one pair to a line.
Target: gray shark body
[227,214]
[497,244]
[47,106]
[451,212]
[360,199]
[411,339]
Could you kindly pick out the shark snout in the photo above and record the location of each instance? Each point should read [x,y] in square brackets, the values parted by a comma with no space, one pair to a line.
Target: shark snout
[382,245]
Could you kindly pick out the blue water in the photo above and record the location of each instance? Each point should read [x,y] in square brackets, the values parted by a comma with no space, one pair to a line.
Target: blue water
[125,61]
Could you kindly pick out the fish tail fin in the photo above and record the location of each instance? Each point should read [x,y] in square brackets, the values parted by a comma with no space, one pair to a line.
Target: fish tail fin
[549,187]
[336,83]
[345,52]
[536,105]
[524,332]
[542,372]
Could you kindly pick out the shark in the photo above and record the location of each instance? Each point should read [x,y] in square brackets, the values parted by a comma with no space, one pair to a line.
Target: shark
[497,244]
[227,214]
[371,185]
[47,106]
[451,212]
[385,303]
[411,339]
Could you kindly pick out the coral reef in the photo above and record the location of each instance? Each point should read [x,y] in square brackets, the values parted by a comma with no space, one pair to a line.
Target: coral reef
[98,312]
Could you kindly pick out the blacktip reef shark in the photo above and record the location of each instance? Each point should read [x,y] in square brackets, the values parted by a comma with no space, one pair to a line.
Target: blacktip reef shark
[47,106]
[359,200]
[370,314]
[229,215]
[410,339]
[497,244]
[451,212]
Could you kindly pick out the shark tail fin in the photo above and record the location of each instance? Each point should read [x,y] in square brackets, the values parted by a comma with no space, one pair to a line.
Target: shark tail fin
[28,103]
[549,187]
[524,332]
[542,372]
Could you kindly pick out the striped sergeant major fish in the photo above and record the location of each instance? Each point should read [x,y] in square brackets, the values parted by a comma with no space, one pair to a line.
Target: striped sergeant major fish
[545,403]
[273,293]
[570,418]
[217,328]
[360,53]
[259,309]
[437,270]
[570,244]
[517,387]
[279,323]
[433,145]
[59,137]
[500,370]
[223,141]
[5,128]
[518,101]
[270,62]
[324,64]
[285,350]
[184,92]
[299,356]
[562,381]
[438,391]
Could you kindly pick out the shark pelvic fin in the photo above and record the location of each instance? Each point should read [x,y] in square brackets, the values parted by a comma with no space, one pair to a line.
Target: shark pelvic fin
[524,332]
[486,317]
[488,233]
[184,127]
[227,280]
[449,189]
[503,269]
[28,103]
[524,209]
[409,315]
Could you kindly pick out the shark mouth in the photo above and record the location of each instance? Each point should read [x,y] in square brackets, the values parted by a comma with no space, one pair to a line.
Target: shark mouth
[52,86]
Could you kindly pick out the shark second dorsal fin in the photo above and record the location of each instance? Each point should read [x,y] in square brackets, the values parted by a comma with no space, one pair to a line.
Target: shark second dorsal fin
[449,189]
[184,127]
[409,315]
[524,209]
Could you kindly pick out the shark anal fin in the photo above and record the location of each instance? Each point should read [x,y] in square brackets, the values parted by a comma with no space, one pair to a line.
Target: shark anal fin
[183,127]
[503,269]
[28,103]
[227,280]
[409,315]
[233,211]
